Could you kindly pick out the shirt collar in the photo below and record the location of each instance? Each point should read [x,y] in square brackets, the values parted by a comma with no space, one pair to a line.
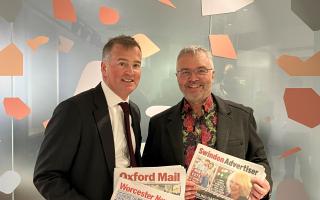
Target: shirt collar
[207,105]
[112,98]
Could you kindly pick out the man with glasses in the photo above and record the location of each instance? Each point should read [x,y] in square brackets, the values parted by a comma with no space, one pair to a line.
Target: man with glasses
[202,117]
[92,133]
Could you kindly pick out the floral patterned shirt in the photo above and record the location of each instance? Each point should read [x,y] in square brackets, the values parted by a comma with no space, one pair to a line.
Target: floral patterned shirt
[198,129]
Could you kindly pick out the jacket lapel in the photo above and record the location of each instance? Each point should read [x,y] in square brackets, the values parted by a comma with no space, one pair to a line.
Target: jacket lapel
[224,123]
[174,129]
[102,118]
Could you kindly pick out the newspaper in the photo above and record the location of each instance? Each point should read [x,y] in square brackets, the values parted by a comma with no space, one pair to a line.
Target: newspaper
[129,190]
[220,176]
[170,179]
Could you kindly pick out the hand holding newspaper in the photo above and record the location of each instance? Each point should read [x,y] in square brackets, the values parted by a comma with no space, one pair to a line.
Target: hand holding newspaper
[221,176]
[169,179]
[127,189]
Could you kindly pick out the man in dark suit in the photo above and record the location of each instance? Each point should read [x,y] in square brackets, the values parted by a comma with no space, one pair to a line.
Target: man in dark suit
[85,138]
[202,117]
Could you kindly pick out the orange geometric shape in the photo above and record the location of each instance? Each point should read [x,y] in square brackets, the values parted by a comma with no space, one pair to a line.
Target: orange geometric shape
[65,44]
[11,61]
[148,48]
[294,66]
[221,46]
[37,41]
[108,15]
[303,106]
[16,108]
[289,152]
[64,10]
[213,7]
[45,123]
[168,3]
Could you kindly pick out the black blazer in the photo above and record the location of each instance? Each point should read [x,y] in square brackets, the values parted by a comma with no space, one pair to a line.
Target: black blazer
[236,135]
[77,157]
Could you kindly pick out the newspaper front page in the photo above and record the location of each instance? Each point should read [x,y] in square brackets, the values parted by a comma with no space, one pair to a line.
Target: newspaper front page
[129,190]
[220,176]
[170,179]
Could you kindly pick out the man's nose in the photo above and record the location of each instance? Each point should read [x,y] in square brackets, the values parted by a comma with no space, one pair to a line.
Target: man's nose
[193,76]
[129,69]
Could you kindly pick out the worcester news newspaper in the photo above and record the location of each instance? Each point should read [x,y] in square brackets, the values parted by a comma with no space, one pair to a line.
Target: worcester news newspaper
[129,190]
[169,181]
[214,172]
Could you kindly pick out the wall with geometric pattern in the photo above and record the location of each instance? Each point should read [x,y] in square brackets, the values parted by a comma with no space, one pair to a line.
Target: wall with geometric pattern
[266,56]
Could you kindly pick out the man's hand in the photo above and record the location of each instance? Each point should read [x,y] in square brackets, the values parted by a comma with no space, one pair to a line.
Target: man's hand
[260,187]
[191,190]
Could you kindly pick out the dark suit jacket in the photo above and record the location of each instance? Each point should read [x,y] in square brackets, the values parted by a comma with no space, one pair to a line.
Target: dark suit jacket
[236,135]
[77,157]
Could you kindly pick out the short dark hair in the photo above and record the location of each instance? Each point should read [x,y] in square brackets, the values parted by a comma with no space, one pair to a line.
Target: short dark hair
[124,40]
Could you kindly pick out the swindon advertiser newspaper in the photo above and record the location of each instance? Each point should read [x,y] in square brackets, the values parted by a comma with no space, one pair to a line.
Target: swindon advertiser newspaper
[220,176]
[166,182]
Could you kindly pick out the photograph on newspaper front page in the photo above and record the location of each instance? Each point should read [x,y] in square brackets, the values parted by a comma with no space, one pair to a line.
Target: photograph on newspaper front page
[221,176]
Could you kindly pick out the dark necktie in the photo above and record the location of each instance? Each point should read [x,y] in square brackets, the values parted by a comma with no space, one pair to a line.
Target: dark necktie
[126,112]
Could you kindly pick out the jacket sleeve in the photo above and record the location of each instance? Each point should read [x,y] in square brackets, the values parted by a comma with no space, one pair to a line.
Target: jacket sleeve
[256,152]
[149,157]
[57,152]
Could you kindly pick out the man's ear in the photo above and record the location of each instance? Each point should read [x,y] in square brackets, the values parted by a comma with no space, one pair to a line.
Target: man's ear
[103,66]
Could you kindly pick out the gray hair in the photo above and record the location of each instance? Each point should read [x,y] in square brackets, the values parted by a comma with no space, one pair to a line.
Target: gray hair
[193,50]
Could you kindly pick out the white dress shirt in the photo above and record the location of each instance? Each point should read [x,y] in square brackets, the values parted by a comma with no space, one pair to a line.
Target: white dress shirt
[118,130]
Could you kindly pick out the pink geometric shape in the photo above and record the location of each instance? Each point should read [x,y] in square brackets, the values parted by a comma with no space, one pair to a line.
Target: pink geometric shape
[221,46]
[108,15]
[90,77]
[148,47]
[16,108]
[168,3]
[290,152]
[65,44]
[64,10]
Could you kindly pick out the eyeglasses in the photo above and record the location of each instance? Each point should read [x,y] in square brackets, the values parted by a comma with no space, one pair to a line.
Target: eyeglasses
[184,73]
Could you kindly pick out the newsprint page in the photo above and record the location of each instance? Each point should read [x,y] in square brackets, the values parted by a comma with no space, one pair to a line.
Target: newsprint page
[220,176]
[129,190]
[169,180]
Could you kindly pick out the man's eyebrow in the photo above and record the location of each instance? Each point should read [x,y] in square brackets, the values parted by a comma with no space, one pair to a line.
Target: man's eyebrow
[122,59]
[186,68]
[202,67]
